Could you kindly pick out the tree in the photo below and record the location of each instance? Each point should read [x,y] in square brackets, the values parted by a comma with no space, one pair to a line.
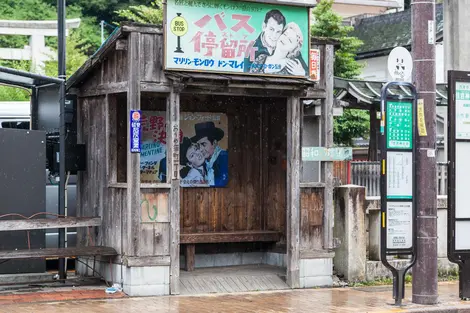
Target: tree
[353,123]
[152,14]
[80,41]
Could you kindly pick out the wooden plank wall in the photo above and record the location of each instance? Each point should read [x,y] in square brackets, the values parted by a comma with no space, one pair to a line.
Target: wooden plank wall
[151,46]
[94,196]
[113,69]
[254,198]
[340,172]
[155,237]
[311,219]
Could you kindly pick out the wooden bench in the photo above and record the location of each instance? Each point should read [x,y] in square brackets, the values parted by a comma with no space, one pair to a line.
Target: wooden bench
[45,223]
[190,241]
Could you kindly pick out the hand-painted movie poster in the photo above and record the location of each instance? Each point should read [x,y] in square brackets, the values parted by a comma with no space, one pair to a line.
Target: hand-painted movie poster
[236,36]
[203,149]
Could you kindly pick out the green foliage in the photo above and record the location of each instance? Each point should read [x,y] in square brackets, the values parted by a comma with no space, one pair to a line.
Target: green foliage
[80,42]
[329,24]
[13,94]
[353,123]
[74,57]
[152,14]
[102,9]
[89,31]
[8,93]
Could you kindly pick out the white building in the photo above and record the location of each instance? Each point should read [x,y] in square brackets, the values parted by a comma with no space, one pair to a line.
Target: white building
[350,8]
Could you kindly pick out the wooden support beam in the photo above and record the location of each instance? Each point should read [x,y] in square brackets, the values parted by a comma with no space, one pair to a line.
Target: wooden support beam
[155,87]
[146,261]
[109,88]
[57,253]
[131,231]
[173,159]
[374,134]
[190,255]
[46,223]
[293,191]
[237,236]
[327,133]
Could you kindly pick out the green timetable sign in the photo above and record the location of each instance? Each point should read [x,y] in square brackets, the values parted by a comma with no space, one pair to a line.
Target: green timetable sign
[399,125]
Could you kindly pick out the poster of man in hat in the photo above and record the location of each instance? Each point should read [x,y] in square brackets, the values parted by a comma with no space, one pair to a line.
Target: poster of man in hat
[203,149]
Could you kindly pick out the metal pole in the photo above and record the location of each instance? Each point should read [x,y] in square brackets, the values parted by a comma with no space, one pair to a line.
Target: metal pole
[423,48]
[102,31]
[62,75]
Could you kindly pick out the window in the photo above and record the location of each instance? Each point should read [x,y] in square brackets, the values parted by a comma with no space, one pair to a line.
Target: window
[15,124]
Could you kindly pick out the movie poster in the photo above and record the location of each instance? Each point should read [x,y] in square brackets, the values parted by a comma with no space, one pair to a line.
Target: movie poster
[203,149]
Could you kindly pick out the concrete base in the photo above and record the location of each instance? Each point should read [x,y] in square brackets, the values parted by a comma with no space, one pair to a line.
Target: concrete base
[234,259]
[25,278]
[135,281]
[316,273]
[376,270]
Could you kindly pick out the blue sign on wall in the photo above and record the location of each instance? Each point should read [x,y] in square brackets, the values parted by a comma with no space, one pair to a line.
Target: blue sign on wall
[135,130]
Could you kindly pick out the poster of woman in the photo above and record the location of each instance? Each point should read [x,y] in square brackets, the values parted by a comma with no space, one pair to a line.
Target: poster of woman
[203,149]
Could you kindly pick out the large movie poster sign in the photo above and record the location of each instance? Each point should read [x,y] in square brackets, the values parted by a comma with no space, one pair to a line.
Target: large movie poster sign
[203,149]
[237,37]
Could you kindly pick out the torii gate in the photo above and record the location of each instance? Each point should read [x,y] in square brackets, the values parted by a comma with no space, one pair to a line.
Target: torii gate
[37,51]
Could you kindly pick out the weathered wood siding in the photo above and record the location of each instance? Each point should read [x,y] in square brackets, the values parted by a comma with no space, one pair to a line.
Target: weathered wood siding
[154,237]
[254,198]
[152,65]
[311,219]
[94,196]
[113,69]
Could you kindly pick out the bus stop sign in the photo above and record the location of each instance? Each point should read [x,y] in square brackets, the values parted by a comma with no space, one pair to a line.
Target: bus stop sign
[397,180]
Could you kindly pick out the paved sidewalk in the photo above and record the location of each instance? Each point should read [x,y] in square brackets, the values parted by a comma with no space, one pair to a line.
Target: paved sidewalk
[367,299]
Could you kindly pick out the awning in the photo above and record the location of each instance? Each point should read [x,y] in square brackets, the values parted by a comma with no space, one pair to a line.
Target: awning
[12,77]
[244,85]
[194,77]
[362,94]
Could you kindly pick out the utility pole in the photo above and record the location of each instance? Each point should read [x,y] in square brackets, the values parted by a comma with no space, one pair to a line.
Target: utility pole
[62,74]
[424,77]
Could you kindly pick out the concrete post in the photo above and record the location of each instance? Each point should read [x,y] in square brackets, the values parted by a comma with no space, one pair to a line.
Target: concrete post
[350,228]
[37,44]
[374,234]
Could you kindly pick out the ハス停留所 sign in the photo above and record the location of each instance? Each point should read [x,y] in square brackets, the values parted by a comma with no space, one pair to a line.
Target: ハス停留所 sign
[228,36]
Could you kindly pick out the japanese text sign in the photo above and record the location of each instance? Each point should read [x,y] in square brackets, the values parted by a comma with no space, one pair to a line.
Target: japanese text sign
[315,64]
[400,125]
[237,37]
[462,114]
[326,154]
[135,121]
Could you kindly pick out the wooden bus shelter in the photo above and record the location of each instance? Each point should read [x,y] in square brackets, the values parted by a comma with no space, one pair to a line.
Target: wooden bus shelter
[273,203]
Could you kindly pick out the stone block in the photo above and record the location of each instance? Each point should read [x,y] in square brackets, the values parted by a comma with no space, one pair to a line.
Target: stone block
[350,257]
[253,258]
[442,232]
[318,281]
[316,267]
[146,290]
[227,259]
[149,275]
[276,259]
[374,235]
[204,260]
